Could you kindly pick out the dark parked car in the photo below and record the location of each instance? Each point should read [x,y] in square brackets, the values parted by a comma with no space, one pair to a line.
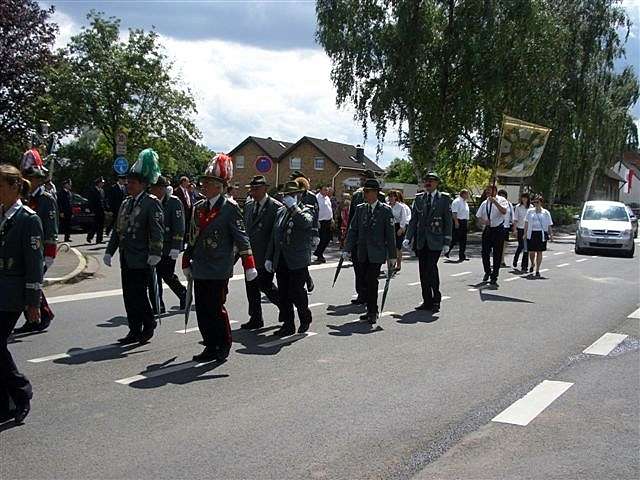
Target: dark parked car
[82,216]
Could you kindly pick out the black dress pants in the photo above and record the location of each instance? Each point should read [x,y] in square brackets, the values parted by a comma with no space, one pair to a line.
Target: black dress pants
[361,282]
[291,292]
[325,237]
[459,237]
[135,285]
[97,228]
[165,271]
[492,244]
[264,284]
[213,319]
[65,227]
[369,272]
[521,249]
[14,386]
[429,275]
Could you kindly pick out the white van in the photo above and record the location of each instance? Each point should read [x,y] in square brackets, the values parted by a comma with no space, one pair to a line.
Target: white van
[605,225]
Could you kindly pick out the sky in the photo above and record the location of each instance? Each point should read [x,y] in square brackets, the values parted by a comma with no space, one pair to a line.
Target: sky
[254,66]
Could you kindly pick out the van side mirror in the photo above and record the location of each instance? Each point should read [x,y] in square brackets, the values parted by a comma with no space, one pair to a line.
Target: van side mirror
[576,218]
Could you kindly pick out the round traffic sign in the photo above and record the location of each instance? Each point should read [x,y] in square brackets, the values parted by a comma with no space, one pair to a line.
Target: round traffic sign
[121,166]
[264,164]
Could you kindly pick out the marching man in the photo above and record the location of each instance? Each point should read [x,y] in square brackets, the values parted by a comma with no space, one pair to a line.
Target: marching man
[371,236]
[216,228]
[139,237]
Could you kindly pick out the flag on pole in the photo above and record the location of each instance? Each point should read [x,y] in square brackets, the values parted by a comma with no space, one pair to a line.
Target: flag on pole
[521,147]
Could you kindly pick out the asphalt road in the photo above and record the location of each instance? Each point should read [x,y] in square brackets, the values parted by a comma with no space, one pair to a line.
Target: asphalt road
[413,397]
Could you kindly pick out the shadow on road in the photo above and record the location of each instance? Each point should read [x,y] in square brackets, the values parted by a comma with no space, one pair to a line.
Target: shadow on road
[490,297]
[118,321]
[354,328]
[411,318]
[346,309]
[112,351]
[176,374]
[253,341]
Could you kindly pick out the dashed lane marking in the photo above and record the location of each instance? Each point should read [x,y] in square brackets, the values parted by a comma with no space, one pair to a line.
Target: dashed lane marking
[560,253]
[512,279]
[562,265]
[523,411]
[74,353]
[195,329]
[605,344]
[413,284]
[160,372]
[460,274]
[635,314]
[582,260]
[289,339]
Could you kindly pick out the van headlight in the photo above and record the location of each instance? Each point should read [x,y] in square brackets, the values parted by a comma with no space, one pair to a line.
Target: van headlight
[626,233]
[585,231]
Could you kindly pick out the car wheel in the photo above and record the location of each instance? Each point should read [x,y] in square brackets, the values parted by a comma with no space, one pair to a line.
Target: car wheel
[579,251]
[631,251]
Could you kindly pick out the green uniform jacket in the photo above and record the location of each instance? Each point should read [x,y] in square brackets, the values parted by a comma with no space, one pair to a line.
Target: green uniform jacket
[211,250]
[431,229]
[260,228]
[292,237]
[358,198]
[139,231]
[46,206]
[311,201]
[21,261]
[373,235]
[173,224]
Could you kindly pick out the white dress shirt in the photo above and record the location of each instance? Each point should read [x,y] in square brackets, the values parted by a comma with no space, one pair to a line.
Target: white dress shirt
[400,214]
[489,211]
[538,221]
[325,211]
[520,215]
[460,208]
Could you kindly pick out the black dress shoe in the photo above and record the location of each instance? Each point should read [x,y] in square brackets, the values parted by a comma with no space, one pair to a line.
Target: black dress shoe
[209,354]
[372,319]
[132,337]
[222,353]
[145,336]
[303,327]
[486,277]
[252,325]
[21,412]
[358,301]
[364,316]
[424,306]
[284,331]
[435,308]
[494,282]
[28,327]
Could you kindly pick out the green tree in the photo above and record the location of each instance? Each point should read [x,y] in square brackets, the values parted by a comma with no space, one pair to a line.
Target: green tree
[400,170]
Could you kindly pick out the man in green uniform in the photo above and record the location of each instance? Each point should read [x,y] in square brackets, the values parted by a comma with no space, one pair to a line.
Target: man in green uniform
[429,231]
[173,242]
[371,236]
[139,237]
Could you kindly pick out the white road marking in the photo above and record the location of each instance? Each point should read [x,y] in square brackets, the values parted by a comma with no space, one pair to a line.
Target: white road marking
[594,256]
[290,338]
[413,284]
[472,290]
[386,314]
[381,290]
[560,253]
[562,265]
[512,279]
[460,274]
[523,411]
[544,270]
[73,353]
[311,305]
[635,314]
[605,344]
[159,372]
[445,298]
[582,260]
[188,330]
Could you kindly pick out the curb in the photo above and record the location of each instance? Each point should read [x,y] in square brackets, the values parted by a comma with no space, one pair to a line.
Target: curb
[82,264]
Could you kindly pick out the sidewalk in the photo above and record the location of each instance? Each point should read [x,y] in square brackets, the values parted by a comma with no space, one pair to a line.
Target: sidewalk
[68,264]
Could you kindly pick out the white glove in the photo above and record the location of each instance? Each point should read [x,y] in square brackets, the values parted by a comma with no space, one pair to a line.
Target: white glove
[406,243]
[48,261]
[187,273]
[153,260]
[345,255]
[107,259]
[268,266]
[250,274]
[174,253]
[315,241]
[289,201]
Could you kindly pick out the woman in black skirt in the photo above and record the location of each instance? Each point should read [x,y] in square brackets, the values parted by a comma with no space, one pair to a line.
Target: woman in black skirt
[538,229]
[21,270]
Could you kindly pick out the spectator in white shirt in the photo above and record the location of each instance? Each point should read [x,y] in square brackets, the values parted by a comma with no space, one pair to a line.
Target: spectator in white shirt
[508,225]
[325,217]
[519,219]
[460,213]
[492,213]
[401,217]
[538,228]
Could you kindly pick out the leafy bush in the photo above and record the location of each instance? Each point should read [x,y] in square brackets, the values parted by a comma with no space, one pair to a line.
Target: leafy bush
[563,214]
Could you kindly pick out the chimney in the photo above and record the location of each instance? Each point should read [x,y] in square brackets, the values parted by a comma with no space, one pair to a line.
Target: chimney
[359,154]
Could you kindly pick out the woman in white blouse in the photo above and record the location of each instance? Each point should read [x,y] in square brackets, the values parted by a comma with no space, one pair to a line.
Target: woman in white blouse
[401,217]
[538,230]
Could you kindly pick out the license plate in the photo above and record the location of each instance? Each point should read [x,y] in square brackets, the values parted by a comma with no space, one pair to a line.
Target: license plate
[606,241]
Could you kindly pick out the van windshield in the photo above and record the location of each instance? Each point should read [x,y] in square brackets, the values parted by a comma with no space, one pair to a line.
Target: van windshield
[613,213]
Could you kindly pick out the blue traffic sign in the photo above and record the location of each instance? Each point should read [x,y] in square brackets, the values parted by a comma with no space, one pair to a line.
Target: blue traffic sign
[264,164]
[121,166]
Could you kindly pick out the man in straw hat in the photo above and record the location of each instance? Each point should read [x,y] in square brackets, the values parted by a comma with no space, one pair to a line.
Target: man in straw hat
[217,227]
[289,255]
[309,199]
[138,234]
[259,218]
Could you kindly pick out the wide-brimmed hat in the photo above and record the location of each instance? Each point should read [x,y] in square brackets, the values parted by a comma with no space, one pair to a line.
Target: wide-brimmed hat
[161,182]
[368,173]
[258,181]
[432,176]
[371,184]
[220,168]
[291,187]
[35,172]
[297,174]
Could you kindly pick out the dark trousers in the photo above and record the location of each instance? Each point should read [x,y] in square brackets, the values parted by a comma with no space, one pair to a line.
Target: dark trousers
[111,223]
[521,249]
[14,386]
[429,275]
[361,282]
[291,292]
[459,237]
[165,271]
[65,226]
[264,284]
[97,229]
[325,237]
[370,272]
[135,285]
[213,319]
[492,244]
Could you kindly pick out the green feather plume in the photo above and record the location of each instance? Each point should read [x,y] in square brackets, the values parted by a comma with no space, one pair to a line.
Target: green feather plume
[147,165]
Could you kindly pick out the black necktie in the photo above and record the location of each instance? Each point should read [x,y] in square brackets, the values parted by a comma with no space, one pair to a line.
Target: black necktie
[256,211]
[428,203]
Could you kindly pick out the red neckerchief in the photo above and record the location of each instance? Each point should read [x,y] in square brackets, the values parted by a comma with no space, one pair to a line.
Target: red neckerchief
[204,218]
